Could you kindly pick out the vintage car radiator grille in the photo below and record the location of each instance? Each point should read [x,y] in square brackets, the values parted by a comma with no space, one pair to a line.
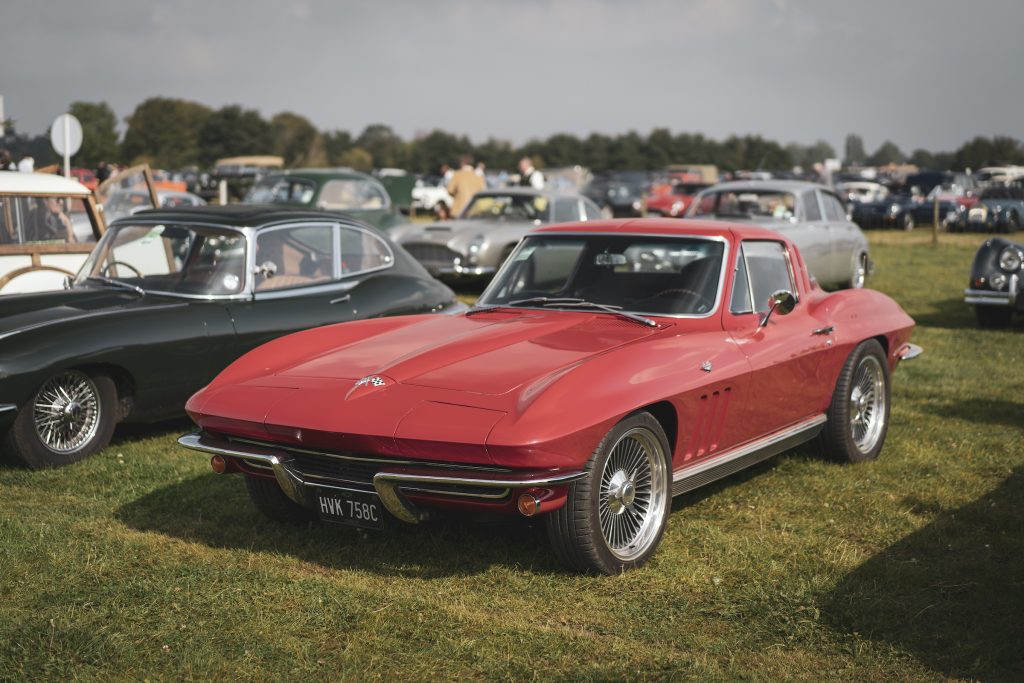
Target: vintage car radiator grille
[432,255]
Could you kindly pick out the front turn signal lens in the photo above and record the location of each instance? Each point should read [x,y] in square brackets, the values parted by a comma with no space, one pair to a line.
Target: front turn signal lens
[528,505]
[219,464]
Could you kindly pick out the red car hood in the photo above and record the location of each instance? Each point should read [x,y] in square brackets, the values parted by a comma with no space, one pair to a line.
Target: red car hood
[486,353]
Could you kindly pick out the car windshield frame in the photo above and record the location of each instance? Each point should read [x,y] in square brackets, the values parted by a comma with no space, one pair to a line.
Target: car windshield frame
[513,198]
[86,276]
[794,213]
[486,301]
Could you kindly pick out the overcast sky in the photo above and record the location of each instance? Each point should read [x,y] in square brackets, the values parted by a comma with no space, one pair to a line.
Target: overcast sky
[923,73]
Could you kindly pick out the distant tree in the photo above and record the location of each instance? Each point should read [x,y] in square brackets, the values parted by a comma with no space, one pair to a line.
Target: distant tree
[164,132]
[19,145]
[626,152]
[854,151]
[427,153]
[561,149]
[336,143]
[659,148]
[233,131]
[887,153]
[922,158]
[806,156]
[99,133]
[297,140]
[358,159]
[384,145]
[497,154]
[982,151]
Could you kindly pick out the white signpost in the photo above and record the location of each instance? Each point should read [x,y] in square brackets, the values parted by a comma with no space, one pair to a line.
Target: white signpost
[66,137]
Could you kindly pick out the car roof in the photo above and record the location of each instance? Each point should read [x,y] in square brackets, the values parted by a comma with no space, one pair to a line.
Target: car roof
[666,226]
[14,182]
[322,173]
[770,185]
[237,215]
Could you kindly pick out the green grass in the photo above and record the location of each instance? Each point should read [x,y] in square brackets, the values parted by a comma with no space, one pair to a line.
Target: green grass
[142,564]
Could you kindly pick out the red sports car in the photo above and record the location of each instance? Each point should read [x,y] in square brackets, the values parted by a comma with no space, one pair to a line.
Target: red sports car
[608,367]
[675,200]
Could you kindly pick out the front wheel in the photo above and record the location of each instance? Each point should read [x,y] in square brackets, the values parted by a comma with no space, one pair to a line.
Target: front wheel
[614,519]
[267,496]
[858,416]
[70,417]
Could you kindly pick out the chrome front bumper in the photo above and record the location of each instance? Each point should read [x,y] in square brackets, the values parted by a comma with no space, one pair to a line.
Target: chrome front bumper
[390,483]
[988,297]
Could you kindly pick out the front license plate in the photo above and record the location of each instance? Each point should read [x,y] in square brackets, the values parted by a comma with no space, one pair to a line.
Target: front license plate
[354,508]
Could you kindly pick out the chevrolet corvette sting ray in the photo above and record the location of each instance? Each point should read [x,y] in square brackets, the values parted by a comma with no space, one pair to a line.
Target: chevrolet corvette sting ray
[609,366]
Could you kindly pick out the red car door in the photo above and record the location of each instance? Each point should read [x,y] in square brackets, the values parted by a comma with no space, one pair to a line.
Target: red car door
[785,355]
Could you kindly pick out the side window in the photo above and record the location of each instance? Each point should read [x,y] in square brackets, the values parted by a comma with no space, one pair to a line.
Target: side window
[299,256]
[591,212]
[740,287]
[767,270]
[811,210]
[29,219]
[834,210]
[565,211]
[361,250]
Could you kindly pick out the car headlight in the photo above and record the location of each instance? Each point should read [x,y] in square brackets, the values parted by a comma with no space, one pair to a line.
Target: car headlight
[676,208]
[998,281]
[637,205]
[1010,259]
[895,208]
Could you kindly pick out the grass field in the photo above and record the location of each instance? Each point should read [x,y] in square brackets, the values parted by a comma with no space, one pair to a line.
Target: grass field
[142,564]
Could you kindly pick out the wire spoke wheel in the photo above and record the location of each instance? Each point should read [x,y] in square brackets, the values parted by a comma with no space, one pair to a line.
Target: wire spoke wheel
[66,412]
[633,494]
[867,404]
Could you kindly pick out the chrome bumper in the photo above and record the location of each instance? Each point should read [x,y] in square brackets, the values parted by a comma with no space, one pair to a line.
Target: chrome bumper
[909,352]
[387,483]
[988,297]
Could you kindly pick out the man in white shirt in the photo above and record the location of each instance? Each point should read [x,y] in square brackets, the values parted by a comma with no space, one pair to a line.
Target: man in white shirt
[529,176]
[27,164]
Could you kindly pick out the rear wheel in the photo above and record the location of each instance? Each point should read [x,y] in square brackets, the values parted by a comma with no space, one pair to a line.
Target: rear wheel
[1013,223]
[614,519]
[269,499]
[70,417]
[994,317]
[860,273]
[907,221]
[858,416]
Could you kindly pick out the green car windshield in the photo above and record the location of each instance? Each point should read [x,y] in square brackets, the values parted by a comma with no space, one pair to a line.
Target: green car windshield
[169,259]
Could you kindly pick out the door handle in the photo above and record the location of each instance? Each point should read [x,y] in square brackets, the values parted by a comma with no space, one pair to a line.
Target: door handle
[340,299]
[824,330]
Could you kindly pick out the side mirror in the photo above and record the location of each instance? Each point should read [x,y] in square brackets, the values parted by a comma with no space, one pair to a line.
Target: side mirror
[68,280]
[783,301]
[267,269]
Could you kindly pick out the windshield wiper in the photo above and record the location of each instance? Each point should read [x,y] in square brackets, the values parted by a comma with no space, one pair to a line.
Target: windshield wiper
[614,310]
[572,302]
[542,300]
[117,283]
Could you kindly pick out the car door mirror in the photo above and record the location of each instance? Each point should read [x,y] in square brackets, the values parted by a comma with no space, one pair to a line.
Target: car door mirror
[68,280]
[783,302]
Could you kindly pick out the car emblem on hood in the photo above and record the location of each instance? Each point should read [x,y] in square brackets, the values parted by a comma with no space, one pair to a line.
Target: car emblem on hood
[372,380]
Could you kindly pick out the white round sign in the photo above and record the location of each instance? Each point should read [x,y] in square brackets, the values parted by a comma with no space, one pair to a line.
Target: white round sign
[66,135]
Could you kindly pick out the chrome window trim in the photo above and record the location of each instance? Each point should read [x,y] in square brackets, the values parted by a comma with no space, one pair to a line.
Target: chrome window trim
[750,288]
[674,316]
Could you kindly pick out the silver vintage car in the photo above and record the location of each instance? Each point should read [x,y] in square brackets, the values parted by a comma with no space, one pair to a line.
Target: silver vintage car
[478,242]
[809,214]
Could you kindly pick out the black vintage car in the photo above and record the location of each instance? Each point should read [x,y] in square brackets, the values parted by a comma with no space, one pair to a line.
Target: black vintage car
[996,289]
[167,299]
[620,195]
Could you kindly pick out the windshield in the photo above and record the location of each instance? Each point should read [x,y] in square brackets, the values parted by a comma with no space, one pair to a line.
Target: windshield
[281,190]
[508,207]
[745,204]
[174,259]
[639,273]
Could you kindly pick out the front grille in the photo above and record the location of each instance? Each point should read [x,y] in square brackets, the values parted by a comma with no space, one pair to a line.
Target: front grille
[431,255]
[336,471]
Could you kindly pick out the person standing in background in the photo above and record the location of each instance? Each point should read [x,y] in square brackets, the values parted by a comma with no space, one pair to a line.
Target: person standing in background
[27,164]
[102,171]
[464,184]
[529,176]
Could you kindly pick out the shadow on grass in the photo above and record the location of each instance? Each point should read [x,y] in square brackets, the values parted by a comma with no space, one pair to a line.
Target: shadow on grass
[215,510]
[136,431]
[955,314]
[952,594]
[995,411]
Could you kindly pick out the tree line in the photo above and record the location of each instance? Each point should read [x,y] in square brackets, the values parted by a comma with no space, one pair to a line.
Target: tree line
[175,133]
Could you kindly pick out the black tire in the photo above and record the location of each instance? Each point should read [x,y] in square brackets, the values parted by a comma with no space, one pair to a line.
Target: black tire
[1012,223]
[839,438]
[269,499]
[994,317]
[78,429]
[907,221]
[576,531]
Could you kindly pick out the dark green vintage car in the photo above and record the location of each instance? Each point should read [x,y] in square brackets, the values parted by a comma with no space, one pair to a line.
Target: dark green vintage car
[167,299]
[358,195]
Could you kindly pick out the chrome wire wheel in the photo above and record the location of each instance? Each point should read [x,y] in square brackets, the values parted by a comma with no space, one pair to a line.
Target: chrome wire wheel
[860,272]
[633,494]
[867,404]
[66,412]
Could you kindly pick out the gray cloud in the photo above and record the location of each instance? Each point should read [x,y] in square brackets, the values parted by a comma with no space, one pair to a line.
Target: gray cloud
[924,73]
